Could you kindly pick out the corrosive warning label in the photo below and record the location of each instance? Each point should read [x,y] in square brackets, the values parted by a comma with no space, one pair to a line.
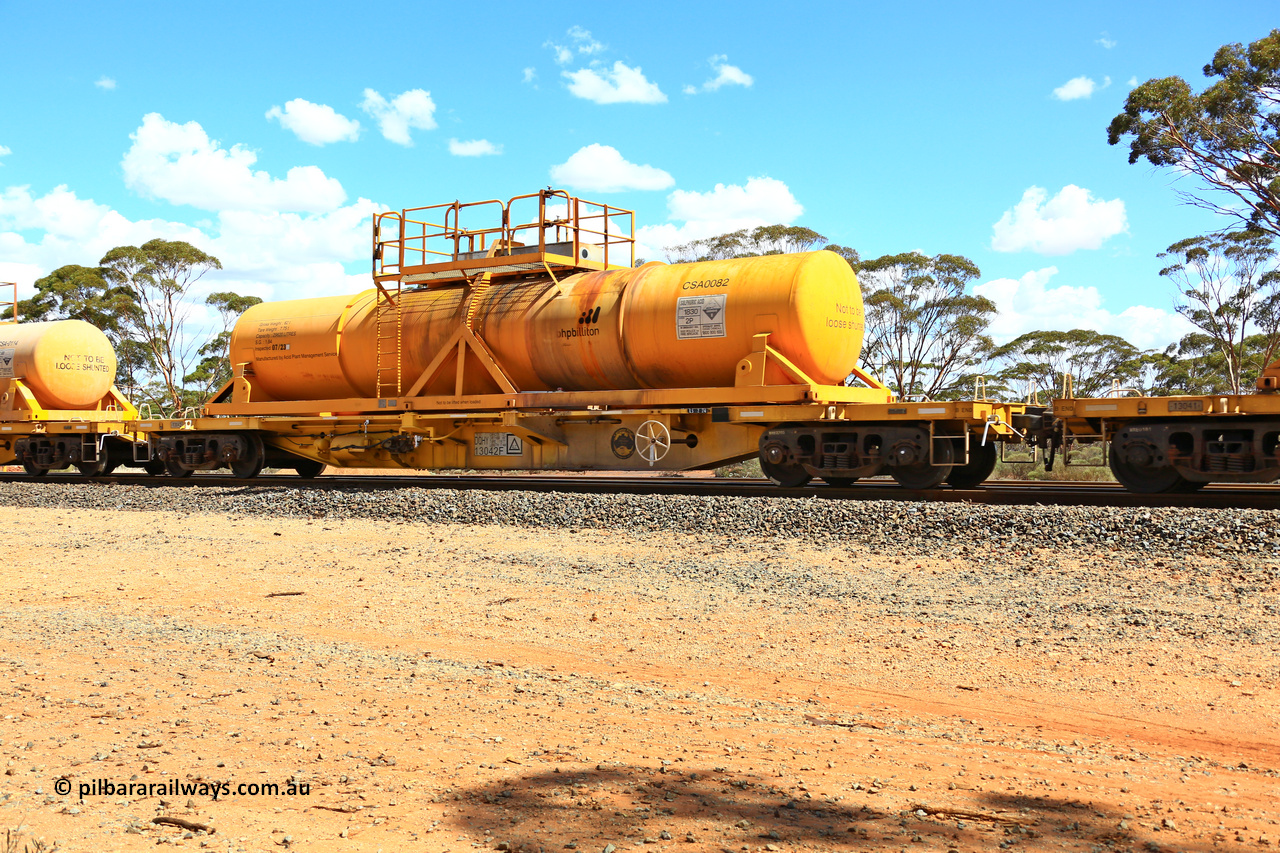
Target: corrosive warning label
[700,316]
[6,363]
[498,444]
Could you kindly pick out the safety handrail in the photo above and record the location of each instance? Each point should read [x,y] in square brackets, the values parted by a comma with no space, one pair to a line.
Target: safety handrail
[12,302]
[441,233]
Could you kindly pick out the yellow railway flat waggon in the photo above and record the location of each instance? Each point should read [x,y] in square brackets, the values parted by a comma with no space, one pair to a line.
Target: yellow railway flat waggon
[521,335]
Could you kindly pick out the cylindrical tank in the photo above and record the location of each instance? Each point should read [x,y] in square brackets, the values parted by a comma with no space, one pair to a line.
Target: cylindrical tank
[67,364]
[657,326]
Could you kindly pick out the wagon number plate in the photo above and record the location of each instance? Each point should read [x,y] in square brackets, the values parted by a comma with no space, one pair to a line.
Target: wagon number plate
[498,444]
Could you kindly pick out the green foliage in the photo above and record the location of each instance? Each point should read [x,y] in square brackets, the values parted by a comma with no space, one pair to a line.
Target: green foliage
[1230,291]
[850,255]
[746,243]
[1088,463]
[746,470]
[1228,135]
[1038,361]
[925,334]
[1196,365]
[214,369]
[157,276]
[74,292]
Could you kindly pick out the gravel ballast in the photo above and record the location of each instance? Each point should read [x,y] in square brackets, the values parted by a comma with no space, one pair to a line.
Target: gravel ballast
[932,528]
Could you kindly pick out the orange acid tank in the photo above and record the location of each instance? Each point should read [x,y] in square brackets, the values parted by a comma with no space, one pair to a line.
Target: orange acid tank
[656,326]
[66,364]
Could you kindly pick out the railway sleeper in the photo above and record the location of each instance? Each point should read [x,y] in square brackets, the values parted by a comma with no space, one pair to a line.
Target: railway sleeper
[1181,455]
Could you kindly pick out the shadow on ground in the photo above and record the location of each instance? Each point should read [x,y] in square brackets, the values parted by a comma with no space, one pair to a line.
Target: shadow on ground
[705,809]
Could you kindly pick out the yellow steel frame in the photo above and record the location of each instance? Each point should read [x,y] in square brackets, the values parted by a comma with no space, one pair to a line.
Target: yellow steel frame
[1092,417]
[21,415]
[579,436]
[19,403]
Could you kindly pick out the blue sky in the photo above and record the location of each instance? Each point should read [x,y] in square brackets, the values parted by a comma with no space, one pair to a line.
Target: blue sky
[268,134]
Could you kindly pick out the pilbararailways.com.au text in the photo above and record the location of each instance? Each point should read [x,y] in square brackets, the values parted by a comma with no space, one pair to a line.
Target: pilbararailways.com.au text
[178,788]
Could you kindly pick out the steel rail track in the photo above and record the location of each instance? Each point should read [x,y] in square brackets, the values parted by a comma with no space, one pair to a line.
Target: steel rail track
[1006,492]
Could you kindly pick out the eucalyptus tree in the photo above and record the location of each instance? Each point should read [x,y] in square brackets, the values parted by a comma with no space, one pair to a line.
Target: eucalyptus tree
[926,335]
[1229,289]
[214,369]
[1095,361]
[1227,136]
[159,276]
[747,242]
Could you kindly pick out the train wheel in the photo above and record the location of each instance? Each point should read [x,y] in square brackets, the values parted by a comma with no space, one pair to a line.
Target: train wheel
[155,467]
[93,469]
[309,469]
[840,482]
[251,465]
[33,471]
[1145,480]
[787,476]
[174,469]
[777,465]
[982,461]
[926,476]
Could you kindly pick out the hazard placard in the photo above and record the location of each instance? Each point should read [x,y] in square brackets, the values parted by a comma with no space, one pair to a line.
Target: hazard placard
[498,444]
[6,363]
[700,316]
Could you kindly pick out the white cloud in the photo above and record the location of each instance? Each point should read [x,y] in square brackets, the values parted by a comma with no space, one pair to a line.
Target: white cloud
[317,124]
[1073,219]
[180,164]
[601,168]
[726,75]
[271,254]
[38,234]
[581,41]
[1027,304]
[411,109]
[277,239]
[1133,81]
[762,198]
[23,274]
[1106,41]
[105,82]
[530,74]
[295,255]
[621,85]
[473,148]
[690,90]
[4,152]
[1076,88]
[762,201]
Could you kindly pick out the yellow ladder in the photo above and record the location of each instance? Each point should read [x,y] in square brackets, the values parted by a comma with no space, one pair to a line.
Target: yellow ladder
[388,316]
